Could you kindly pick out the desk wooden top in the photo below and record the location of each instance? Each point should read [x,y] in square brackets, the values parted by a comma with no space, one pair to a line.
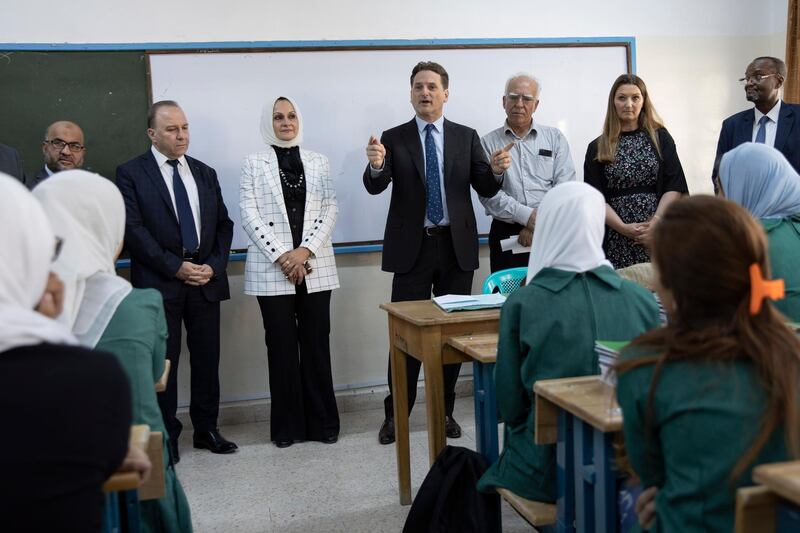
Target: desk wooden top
[588,398]
[482,348]
[427,313]
[781,478]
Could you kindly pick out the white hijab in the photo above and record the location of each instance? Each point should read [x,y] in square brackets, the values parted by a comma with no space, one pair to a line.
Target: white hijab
[89,213]
[27,243]
[569,230]
[268,132]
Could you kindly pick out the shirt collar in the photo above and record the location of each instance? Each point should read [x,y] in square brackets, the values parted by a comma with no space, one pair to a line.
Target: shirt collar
[161,159]
[437,125]
[48,171]
[532,129]
[555,280]
[772,113]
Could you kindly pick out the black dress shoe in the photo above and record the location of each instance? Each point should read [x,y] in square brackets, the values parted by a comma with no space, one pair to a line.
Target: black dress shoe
[386,434]
[330,439]
[283,443]
[451,427]
[212,440]
[173,451]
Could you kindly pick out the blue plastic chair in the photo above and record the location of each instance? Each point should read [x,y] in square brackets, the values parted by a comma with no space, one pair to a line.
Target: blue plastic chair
[505,281]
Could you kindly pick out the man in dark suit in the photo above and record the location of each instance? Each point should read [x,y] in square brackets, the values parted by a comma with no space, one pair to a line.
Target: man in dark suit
[179,235]
[11,162]
[771,121]
[431,237]
[62,148]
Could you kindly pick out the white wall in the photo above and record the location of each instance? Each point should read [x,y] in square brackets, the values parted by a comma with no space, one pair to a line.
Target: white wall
[689,52]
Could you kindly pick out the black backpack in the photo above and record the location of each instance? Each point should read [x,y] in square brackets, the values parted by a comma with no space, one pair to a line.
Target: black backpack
[448,500]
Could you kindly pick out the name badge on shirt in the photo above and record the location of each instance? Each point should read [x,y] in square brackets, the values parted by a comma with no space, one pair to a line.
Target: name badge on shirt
[546,153]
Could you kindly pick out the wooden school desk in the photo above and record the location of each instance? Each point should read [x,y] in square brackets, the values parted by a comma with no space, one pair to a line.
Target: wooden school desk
[482,351]
[420,329]
[782,479]
[581,416]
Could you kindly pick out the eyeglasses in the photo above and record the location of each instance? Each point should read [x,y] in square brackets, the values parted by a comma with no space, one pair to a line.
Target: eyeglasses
[755,78]
[59,244]
[514,97]
[59,145]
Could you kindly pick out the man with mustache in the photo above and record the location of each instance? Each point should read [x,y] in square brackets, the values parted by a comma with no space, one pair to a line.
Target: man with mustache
[771,121]
[541,161]
[179,235]
[431,237]
[63,149]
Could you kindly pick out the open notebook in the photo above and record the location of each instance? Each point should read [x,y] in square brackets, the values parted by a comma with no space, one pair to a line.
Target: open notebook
[469,302]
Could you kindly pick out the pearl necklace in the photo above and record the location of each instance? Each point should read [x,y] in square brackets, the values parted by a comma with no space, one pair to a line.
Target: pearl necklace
[286,181]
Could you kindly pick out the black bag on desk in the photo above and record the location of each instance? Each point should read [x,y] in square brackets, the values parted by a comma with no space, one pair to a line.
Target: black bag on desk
[448,500]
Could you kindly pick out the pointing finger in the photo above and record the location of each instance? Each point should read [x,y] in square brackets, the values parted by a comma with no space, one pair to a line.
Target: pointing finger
[373,140]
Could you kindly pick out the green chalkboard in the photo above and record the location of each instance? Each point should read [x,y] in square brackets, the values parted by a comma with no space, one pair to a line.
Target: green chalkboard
[105,93]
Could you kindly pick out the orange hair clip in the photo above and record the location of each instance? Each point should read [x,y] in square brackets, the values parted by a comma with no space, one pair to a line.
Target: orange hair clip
[761,288]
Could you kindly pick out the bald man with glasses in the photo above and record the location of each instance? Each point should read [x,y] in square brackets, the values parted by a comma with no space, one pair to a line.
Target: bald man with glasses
[63,149]
[540,161]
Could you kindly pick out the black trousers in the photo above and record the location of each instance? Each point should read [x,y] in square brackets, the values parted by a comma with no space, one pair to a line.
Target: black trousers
[436,268]
[297,333]
[498,259]
[201,319]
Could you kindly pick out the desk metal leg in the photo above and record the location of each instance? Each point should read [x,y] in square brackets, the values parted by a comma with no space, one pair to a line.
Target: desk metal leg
[605,487]
[485,410]
[130,499]
[400,404]
[111,521]
[584,476]
[565,474]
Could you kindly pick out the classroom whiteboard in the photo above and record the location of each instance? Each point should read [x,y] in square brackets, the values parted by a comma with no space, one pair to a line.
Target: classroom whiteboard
[347,95]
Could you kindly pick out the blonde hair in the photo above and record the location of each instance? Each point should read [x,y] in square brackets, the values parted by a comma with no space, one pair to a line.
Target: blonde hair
[649,120]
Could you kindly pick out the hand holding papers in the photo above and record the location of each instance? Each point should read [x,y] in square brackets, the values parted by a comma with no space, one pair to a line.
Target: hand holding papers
[512,243]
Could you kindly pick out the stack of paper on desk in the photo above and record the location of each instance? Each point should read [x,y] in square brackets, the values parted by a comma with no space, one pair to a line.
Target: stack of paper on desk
[607,356]
[469,302]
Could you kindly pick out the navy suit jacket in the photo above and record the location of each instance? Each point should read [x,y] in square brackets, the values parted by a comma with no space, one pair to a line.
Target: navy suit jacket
[738,129]
[11,162]
[465,165]
[152,233]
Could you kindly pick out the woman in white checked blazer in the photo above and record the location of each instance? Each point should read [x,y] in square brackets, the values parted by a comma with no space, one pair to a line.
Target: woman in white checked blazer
[288,209]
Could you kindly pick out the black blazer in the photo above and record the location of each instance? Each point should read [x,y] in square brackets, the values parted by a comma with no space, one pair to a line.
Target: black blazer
[11,162]
[152,233]
[738,129]
[465,164]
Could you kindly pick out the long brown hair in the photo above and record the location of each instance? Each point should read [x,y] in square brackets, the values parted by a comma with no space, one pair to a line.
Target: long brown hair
[702,251]
[649,120]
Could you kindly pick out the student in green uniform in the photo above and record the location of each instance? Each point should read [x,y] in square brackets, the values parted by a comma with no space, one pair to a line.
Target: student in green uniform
[760,178]
[106,313]
[548,328]
[713,393]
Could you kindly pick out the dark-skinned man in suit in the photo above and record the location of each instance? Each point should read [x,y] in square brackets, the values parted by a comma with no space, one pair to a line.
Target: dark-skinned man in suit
[771,121]
[179,235]
[431,237]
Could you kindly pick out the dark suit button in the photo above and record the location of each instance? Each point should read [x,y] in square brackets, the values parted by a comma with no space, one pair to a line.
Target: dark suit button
[273,249]
[316,227]
[271,224]
[263,237]
[306,240]
[294,226]
[267,243]
[294,209]
[256,229]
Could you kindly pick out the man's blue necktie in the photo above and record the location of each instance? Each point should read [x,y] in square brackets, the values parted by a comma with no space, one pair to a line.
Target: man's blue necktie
[185,217]
[434,210]
[761,134]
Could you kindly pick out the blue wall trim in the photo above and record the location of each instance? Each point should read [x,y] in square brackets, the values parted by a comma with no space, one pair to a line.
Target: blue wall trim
[399,43]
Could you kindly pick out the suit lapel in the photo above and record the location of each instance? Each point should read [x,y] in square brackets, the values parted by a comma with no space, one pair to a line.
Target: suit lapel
[414,146]
[450,142]
[744,133]
[152,171]
[273,178]
[200,182]
[785,124]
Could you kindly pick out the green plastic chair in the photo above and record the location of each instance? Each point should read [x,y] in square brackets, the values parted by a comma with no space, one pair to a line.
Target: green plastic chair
[505,281]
